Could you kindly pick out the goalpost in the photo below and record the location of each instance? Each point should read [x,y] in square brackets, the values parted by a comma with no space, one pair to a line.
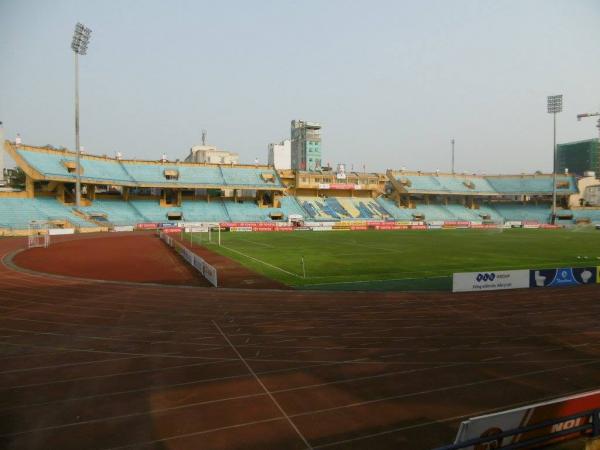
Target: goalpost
[218,237]
[197,232]
[38,234]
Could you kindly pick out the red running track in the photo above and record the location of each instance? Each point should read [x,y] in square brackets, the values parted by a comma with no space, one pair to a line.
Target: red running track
[90,365]
[135,257]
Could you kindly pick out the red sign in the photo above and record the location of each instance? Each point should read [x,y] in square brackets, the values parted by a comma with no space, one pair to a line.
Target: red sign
[484,225]
[172,230]
[147,226]
[457,223]
[342,186]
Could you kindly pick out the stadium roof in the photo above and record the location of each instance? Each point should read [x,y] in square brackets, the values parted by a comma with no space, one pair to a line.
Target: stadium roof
[57,165]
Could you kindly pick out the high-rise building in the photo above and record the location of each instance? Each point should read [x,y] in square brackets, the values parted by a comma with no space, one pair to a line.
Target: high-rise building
[280,155]
[579,157]
[306,145]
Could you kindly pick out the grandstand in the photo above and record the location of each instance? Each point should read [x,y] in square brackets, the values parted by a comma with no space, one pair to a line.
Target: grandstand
[342,208]
[129,192]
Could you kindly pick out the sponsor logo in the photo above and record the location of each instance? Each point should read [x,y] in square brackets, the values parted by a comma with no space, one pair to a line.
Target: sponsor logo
[567,425]
[485,281]
[485,277]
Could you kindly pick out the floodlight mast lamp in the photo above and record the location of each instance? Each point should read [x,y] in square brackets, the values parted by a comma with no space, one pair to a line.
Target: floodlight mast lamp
[81,38]
[554,107]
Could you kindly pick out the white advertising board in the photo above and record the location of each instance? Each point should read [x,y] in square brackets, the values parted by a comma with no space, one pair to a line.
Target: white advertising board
[490,280]
[123,228]
[57,231]
[323,228]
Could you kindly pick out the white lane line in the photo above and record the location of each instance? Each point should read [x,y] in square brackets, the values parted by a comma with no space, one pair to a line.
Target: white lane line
[444,388]
[259,381]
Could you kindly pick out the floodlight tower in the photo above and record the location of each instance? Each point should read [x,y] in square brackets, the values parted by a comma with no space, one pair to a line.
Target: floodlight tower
[554,107]
[81,38]
[581,116]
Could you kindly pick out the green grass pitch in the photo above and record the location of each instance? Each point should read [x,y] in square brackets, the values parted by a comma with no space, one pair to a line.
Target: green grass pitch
[387,260]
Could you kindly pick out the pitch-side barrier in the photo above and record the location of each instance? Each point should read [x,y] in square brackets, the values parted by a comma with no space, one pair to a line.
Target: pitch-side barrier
[524,279]
[209,272]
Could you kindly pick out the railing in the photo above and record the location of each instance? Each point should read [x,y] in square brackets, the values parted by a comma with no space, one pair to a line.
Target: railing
[590,429]
[206,270]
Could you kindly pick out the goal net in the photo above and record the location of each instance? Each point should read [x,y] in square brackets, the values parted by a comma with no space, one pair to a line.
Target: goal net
[38,234]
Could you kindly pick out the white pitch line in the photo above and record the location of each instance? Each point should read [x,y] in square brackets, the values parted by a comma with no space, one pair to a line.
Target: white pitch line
[262,262]
[259,381]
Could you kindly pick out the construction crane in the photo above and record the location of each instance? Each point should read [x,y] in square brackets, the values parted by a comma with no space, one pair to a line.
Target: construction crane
[581,116]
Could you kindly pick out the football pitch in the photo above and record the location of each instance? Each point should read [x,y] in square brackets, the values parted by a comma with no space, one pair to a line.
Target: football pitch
[401,260]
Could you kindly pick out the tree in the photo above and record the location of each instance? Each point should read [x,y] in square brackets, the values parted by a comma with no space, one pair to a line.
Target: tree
[16,178]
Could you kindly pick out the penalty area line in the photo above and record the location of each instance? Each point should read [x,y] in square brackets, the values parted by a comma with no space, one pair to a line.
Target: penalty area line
[261,261]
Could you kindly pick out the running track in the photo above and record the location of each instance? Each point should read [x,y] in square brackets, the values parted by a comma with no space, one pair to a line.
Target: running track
[90,365]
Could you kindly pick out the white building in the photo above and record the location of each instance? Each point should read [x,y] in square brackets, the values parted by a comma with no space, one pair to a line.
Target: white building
[211,154]
[280,155]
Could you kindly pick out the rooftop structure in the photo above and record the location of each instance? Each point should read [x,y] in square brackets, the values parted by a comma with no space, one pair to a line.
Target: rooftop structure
[211,155]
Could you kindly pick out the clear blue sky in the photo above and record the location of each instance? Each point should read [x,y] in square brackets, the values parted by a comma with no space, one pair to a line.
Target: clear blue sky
[391,81]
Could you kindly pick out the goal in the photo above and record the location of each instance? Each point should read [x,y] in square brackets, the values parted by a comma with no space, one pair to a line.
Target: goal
[38,234]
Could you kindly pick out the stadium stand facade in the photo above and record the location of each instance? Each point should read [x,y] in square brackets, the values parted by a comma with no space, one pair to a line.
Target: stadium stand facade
[128,192]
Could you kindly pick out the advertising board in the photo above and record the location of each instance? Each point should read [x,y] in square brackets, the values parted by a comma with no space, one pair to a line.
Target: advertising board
[563,277]
[57,231]
[147,226]
[490,280]
[123,228]
[488,425]
[172,230]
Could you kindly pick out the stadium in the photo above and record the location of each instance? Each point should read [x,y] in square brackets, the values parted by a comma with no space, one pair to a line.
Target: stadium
[375,216]
[239,306]
[199,301]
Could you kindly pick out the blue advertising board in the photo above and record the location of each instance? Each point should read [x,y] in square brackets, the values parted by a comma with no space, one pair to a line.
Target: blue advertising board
[562,277]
